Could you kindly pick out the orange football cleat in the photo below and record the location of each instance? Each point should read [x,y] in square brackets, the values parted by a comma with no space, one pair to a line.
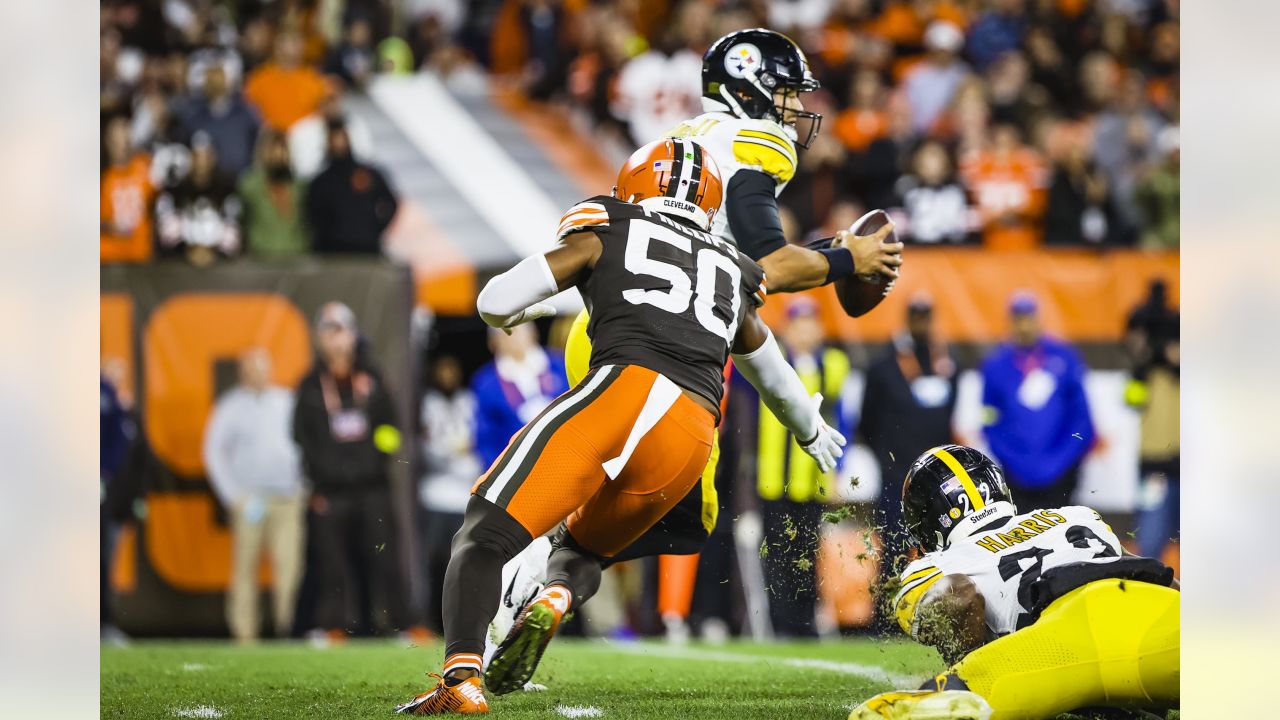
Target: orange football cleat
[465,698]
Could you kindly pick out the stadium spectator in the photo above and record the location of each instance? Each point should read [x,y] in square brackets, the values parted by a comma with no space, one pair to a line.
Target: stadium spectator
[285,90]
[253,468]
[546,61]
[1008,184]
[797,16]
[345,425]
[199,217]
[1036,416]
[1158,195]
[1153,391]
[1125,133]
[254,46]
[510,391]
[450,469]
[272,200]
[1050,70]
[661,87]
[352,60]
[996,31]
[222,113]
[127,193]
[1080,210]
[309,137]
[930,84]
[865,120]
[115,431]
[793,492]
[871,174]
[907,405]
[155,132]
[1012,98]
[935,206]
[843,214]
[349,204]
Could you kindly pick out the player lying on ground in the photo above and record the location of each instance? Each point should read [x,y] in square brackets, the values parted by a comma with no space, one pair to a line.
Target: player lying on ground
[754,119]
[613,455]
[1041,613]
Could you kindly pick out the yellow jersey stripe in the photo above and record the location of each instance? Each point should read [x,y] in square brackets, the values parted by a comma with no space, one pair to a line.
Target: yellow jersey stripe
[965,481]
[765,155]
[918,574]
[783,143]
[905,608]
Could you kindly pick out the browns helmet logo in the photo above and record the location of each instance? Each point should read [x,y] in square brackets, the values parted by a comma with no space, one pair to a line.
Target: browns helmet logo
[675,176]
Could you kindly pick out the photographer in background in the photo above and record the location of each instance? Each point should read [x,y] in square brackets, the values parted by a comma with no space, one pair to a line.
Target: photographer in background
[345,425]
[1154,391]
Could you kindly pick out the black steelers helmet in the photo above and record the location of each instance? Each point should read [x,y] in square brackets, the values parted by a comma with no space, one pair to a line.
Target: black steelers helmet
[950,487]
[741,71]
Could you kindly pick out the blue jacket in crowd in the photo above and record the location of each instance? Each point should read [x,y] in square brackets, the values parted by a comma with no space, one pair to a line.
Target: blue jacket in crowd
[1037,422]
[113,427]
[501,409]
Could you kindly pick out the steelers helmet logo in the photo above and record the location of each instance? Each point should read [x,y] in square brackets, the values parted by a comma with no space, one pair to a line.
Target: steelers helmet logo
[742,59]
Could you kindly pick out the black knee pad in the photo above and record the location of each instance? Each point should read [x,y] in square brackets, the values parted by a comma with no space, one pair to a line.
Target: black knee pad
[490,528]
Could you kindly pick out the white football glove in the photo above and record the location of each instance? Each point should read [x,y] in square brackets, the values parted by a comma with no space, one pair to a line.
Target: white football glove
[533,312]
[827,445]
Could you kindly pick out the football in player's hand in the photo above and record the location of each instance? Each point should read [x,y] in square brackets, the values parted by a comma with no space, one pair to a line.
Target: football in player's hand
[859,294]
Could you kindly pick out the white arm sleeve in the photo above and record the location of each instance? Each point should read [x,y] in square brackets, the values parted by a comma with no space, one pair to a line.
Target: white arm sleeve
[506,296]
[780,388]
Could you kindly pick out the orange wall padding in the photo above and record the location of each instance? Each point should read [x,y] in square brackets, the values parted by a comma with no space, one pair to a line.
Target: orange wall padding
[1084,296]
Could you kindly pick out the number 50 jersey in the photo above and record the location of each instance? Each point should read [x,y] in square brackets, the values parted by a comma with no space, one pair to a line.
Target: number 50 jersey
[664,295]
[1005,561]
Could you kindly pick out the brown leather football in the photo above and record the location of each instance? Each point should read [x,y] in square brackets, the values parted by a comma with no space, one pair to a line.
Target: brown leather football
[859,294]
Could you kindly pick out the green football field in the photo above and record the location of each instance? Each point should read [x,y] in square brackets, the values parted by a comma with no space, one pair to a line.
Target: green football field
[596,678]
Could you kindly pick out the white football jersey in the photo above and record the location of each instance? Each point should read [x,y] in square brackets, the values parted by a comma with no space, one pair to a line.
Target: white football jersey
[1004,561]
[656,91]
[741,144]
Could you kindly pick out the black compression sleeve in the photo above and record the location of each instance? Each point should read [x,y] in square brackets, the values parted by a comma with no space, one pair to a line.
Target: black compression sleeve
[753,213]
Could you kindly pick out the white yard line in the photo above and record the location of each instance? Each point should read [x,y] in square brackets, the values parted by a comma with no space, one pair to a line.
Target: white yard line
[870,672]
[199,711]
[194,667]
[576,711]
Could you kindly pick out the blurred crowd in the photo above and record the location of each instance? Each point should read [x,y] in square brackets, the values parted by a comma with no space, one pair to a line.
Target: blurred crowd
[223,132]
[1006,123]
[1009,123]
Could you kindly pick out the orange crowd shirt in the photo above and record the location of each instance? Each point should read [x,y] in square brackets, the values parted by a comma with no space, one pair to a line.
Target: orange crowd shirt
[857,129]
[125,212]
[283,97]
[1010,193]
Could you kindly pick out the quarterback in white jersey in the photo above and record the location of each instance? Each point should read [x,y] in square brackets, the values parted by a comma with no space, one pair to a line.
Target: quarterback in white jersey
[752,123]
[1041,612]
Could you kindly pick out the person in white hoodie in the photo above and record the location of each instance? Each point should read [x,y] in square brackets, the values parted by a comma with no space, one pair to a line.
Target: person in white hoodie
[253,467]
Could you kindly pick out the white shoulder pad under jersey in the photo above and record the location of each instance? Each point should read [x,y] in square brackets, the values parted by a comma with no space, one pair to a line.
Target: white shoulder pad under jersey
[1003,561]
[741,144]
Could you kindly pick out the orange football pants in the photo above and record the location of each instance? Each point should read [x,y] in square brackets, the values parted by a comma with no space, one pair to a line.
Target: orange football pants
[613,455]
